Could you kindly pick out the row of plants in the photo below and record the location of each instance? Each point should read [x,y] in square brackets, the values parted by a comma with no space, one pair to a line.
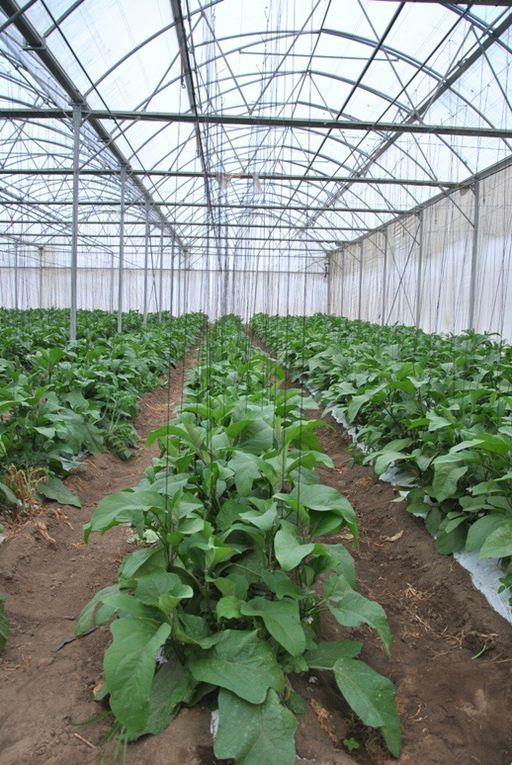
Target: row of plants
[59,400]
[436,409]
[224,594]
[24,329]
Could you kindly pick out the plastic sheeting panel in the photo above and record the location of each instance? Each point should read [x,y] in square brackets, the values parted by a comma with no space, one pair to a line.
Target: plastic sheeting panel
[427,267]
[493,295]
[214,292]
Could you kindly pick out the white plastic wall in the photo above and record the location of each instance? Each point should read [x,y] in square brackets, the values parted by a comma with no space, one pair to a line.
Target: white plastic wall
[445,268]
[214,292]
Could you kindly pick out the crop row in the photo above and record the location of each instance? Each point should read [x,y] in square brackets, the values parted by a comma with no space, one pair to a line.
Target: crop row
[435,409]
[225,590]
[59,400]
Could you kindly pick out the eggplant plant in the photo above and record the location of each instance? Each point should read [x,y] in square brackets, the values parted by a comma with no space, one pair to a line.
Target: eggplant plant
[224,596]
[438,410]
[60,400]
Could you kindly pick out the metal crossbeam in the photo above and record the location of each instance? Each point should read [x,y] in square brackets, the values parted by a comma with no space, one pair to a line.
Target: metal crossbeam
[37,43]
[227,177]
[239,224]
[202,205]
[240,120]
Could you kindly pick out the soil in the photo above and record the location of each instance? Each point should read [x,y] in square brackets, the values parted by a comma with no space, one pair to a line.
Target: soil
[455,707]
[455,704]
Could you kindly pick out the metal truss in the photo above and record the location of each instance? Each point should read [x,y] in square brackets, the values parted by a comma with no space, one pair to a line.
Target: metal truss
[271,138]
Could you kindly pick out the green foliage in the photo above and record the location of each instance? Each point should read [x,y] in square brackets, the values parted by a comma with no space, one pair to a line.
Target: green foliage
[59,400]
[436,410]
[252,735]
[228,599]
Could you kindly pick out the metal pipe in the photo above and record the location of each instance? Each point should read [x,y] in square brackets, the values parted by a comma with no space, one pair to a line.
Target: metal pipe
[202,205]
[121,253]
[227,177]
[171,302]
[146,258]
[384,278]
[161,283]
[40,249]
[474,255]
[16,306]
[240,120]
[359,298]
[418,274]
[77,118]
[112,279]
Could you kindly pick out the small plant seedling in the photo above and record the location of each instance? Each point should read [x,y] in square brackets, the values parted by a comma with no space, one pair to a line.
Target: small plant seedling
[351,744]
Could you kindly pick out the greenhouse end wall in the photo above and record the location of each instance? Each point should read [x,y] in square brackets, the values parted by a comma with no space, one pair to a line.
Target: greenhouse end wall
[445,268]
[214,292]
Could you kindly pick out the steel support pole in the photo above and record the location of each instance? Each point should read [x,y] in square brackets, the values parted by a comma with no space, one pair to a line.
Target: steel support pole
[121,253]
[171,303]
[112,281]
[77,118]
[146,260]
[40,250]
[360,293]
[384,278]
[16,303]
[328,273]
[161,274]
[474,255]
[419,296]
[342,291]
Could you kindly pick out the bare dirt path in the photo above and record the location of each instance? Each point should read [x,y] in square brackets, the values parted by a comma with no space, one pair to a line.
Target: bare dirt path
[452,653]
[47,582]
[455,705]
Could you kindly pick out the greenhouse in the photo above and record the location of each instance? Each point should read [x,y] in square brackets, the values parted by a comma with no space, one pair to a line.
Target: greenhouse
[255,382]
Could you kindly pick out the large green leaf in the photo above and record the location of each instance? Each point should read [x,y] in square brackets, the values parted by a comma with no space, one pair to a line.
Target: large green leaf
[163,590]
[357,402]
[92,614]
[326,499]
[55,489]
[129,667]
[255,734]
[446,478]
[372,697]
[337,557]
[282,620]
[262,520]
[145,557]
[125,506]
[288,550]
[9,497]
[352,609]
[257,437]
[229,512]
[241,662]
[281,585]
[482,528]
[386,458]
[499,543]
[228,607]
[246,469]
[325,655]
[172,686]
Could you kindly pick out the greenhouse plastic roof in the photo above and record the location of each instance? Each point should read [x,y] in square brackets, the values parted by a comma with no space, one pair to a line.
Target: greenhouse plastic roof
[260,129]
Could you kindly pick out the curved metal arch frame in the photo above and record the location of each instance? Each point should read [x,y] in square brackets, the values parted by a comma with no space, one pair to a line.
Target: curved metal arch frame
[326,157]
[260,43]
[416,63]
